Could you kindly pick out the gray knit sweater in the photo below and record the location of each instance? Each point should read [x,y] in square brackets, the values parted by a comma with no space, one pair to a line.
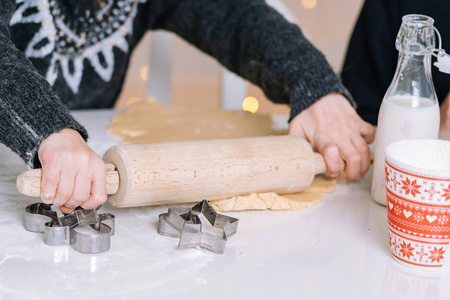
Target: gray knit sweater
[57,55]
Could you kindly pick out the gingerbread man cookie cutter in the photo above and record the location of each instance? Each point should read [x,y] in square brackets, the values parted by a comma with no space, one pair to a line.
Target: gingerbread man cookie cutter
[84,230]
[184,223]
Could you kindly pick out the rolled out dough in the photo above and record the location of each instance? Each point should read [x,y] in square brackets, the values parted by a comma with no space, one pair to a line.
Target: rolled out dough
[273,201]
[146,122]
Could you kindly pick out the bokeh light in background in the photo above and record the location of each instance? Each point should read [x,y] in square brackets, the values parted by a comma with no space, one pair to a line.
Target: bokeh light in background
[309,4]
[133,100]
[144,73]
[250,104]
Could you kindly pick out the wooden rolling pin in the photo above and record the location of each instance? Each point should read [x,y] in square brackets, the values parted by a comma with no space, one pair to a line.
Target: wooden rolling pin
[182,172]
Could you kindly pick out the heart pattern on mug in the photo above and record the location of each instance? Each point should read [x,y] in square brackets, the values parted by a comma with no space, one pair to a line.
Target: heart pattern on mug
[418,217]
[407,213]
[431,219]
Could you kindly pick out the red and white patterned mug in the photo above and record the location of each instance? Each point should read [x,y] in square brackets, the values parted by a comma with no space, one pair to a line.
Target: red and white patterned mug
[418,203]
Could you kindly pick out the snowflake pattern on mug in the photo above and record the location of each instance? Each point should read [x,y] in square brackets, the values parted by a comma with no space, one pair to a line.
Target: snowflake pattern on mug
[411,187]
[437,254]
[416,252]
[406,249]
[446,193]
[418,217]
[408,185]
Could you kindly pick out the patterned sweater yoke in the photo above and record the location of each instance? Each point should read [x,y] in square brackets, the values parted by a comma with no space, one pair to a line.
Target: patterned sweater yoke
[57,55]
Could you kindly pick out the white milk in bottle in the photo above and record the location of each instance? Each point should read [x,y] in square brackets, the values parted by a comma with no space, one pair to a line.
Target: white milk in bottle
[398,121]
[410,108]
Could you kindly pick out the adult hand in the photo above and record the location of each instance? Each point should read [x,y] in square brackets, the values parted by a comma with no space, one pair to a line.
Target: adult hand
[72,173]
[444,128]
[335,130]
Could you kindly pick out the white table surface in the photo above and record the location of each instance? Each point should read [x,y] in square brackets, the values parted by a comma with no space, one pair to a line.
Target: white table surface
[336,250]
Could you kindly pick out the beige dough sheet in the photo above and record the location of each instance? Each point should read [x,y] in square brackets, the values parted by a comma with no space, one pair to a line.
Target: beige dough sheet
[145,122]
[272,201]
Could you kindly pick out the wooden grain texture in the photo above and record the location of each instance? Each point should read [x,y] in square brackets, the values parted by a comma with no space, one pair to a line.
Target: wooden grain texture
[183,172]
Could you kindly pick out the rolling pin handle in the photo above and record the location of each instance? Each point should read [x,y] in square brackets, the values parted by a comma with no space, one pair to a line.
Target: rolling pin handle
[29,183]
[320,167]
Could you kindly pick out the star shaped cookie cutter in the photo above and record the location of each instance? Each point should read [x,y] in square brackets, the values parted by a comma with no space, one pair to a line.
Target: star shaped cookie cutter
[184,223]
[84,230]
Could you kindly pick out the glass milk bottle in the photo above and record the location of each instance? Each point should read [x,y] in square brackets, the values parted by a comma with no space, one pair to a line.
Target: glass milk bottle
[410,109]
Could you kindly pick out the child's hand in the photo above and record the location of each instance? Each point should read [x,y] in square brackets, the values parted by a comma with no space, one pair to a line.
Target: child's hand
[72,173]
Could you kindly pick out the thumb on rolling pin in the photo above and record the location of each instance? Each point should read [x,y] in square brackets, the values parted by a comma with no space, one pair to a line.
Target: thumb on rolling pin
[320,167]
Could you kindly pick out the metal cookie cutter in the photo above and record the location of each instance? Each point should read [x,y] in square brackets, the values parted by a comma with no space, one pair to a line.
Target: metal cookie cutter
[93,238]
[37,214]
[84,229]
[184,223]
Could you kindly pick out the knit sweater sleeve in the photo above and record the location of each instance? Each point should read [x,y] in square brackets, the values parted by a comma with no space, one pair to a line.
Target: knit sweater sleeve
[29,109]
[253,40]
